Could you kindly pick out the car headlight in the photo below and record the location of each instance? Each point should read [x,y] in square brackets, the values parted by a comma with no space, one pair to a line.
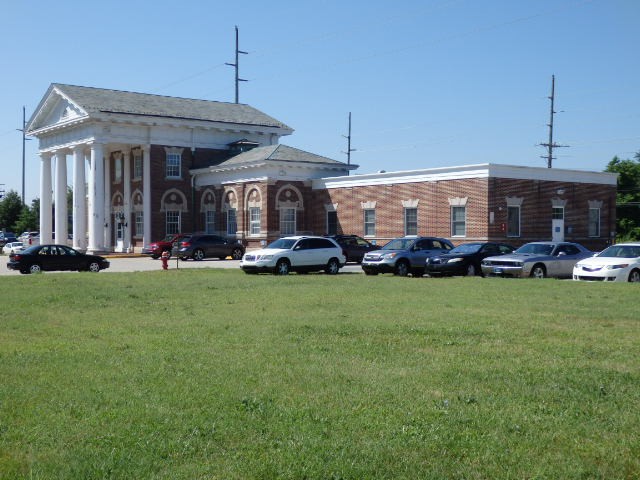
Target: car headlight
[265,257]
[613,267]
[390,255]
[455,260]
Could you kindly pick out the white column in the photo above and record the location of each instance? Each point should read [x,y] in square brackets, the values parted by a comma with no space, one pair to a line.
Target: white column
[146,193]
[62,225]
[45,198]
[108,220]
[79,199]
[127,199]
[96,198]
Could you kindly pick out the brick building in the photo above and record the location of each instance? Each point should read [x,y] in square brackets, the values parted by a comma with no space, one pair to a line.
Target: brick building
[145,166]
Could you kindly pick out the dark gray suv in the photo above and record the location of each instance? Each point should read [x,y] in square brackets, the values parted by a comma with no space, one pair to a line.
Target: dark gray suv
[204,245]
[402,256]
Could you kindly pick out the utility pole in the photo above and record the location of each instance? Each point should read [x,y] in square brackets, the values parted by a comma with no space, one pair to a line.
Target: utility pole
[236,66]
[24,140]
[348,137]
[550,145]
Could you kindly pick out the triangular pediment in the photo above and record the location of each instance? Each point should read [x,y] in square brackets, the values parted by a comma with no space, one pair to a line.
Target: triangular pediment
[54,109]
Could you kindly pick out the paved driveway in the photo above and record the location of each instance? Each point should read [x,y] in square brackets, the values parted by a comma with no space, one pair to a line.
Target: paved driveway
[141,264]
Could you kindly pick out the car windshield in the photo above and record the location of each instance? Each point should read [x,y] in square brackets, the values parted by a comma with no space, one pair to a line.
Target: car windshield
[399,244]
[282,243]
[623,251]
[31,249]
[536,249]
[468,248]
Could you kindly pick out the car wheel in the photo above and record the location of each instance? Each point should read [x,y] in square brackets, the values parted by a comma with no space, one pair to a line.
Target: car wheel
[236,254]
[35,268]
[471,270]
[198,254]
[282,267]
[538,271]
[402,268]
[155,257]
[94,267]
[634,276]
[333,267]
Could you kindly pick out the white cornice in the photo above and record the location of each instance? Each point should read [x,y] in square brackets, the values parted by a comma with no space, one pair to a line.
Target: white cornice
[485,170]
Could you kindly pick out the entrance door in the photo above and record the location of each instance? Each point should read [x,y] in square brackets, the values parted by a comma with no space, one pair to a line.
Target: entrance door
[119,237]
[557,224]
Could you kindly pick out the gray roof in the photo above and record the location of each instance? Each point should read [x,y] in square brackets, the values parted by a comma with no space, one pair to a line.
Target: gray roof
[279,153]
[95,100]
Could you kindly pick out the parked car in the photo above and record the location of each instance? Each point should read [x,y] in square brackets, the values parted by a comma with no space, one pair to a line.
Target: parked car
[155,249]
[538,260]
[404,255]
[465,259]
[617,263]
[204,245]
[353,246]
[43,258]
[7,239]
[296,254]
[12,247]
[29,238]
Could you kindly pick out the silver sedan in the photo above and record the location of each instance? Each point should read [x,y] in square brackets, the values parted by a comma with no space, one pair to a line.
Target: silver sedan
[538,260]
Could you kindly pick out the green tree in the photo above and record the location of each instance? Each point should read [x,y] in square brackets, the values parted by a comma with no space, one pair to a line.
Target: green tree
[628,197]
[10,209]
[29,219]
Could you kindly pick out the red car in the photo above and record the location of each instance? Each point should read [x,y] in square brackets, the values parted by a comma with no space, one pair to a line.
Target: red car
[155,249]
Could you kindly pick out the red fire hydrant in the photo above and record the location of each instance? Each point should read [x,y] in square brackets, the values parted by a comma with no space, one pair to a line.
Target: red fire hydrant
[165,259]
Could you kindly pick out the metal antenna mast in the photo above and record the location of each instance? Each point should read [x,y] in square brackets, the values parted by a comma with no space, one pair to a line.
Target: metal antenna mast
[348,137]
[236,66]
[550,145]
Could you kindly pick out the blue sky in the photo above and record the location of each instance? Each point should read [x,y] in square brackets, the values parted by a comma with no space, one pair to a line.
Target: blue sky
[429,83]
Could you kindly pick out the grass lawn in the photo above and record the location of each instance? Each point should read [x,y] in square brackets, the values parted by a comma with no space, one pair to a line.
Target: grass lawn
[193,374]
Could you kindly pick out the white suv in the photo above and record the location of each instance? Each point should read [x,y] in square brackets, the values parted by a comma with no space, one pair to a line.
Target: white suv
[296,254]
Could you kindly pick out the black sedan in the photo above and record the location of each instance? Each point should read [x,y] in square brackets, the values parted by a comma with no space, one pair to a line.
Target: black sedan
[465,259]
[353,246]
[46,258]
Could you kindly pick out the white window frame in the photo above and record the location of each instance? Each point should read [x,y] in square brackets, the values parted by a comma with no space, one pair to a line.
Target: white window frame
[210,221]
[410,228]
[173,221]
[255,217]
[173,166]
[456,223]
[288,221]
[596,224]
[557,213]
[118,170]
[232,221]
[334,230]
[369,222]
[137,166]
[511,234]
[139,219]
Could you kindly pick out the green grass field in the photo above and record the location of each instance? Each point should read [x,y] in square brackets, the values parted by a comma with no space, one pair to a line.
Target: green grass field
[214,374]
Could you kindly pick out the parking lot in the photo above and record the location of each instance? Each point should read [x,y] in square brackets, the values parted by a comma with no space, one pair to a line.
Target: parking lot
[141,264]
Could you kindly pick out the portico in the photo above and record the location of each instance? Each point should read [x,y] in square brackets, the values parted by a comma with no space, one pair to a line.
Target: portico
[109,136]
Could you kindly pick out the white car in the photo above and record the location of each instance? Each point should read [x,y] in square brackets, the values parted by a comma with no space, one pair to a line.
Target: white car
[617,263]
[296,254]
[12,247]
